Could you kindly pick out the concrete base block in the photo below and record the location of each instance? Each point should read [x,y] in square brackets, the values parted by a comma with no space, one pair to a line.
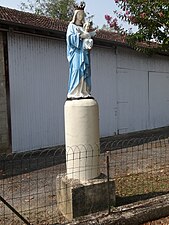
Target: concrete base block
[75,198]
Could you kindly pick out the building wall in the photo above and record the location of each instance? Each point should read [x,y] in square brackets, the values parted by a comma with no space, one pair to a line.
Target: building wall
[103,70]
[131,89]
[4,133]
[38,71]
[143,91]
[38,84]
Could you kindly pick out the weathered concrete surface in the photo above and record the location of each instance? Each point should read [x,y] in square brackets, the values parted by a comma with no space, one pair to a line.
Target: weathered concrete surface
[75,199]
[131,214]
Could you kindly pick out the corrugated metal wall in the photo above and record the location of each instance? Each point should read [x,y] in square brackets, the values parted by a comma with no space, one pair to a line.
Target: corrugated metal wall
[159,99]
[124,83]
[132,100]
[38,71]
[143,91]
[103,66]
[38,81]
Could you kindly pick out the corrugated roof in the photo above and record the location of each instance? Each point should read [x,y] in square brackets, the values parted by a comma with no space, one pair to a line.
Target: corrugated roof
[29,19]
[16,17]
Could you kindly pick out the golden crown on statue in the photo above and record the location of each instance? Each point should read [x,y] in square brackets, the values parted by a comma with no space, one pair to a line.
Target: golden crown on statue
[80,6]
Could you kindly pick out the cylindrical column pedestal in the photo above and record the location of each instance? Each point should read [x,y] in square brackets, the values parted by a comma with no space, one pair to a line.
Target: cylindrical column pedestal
[82,139]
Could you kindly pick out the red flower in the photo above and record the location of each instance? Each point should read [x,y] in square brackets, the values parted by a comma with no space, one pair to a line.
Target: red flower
[114,24]
[108,18]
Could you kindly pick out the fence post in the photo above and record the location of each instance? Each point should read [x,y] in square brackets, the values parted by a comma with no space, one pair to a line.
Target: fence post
[14,211]
[108,183]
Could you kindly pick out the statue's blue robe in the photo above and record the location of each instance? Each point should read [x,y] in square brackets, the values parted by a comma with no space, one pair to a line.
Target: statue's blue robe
[79,61]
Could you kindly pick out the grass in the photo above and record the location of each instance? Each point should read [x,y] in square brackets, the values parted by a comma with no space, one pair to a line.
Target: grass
[134,187]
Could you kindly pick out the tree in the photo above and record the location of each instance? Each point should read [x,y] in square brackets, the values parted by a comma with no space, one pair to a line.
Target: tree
[61,9]
[151,18]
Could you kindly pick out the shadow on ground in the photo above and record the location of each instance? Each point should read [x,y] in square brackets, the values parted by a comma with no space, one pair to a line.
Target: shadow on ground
[135,198]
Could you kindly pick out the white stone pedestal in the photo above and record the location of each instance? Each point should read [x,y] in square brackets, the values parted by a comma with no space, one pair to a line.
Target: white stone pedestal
[82,139]
[81,190]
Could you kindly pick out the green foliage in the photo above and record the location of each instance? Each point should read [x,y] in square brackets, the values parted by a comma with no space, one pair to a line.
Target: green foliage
[150,16]
[61,9]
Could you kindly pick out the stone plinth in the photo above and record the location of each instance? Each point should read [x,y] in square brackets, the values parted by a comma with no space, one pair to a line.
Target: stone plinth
[75,199]
[82,139]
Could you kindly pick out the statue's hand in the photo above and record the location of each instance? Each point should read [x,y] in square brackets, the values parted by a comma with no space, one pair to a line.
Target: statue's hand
[85,35]
[79,31]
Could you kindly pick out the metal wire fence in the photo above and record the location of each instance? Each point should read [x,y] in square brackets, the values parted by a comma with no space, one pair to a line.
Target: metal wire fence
[29,181]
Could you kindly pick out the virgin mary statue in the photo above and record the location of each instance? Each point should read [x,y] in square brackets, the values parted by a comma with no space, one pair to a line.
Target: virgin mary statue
[79,85]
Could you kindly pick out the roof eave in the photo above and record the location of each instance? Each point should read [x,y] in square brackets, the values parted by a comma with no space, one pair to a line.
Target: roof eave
[25,28]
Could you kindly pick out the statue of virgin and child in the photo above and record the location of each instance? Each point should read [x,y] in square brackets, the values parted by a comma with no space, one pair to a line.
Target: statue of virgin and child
[79,43]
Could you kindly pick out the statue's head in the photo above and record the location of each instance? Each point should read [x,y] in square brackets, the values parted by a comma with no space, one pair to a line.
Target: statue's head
[79,14]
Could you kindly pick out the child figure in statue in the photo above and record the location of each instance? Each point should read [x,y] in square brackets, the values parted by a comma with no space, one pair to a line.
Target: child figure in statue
[88,41]
[79,85]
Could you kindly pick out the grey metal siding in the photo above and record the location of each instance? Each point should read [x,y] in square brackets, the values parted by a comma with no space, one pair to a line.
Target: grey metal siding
[38,78]
[142,91]
[132,100]
[131,89]
[159,99]
[103,65]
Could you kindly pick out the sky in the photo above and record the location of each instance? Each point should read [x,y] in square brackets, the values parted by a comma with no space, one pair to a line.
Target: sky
[98,8]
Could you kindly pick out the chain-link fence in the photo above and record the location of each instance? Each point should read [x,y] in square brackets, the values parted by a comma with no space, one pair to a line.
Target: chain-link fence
[29,181]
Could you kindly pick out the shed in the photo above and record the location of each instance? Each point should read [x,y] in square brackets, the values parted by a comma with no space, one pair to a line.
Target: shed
[132,89]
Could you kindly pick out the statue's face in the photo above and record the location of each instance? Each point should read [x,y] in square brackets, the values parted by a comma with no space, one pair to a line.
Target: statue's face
[80,15]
